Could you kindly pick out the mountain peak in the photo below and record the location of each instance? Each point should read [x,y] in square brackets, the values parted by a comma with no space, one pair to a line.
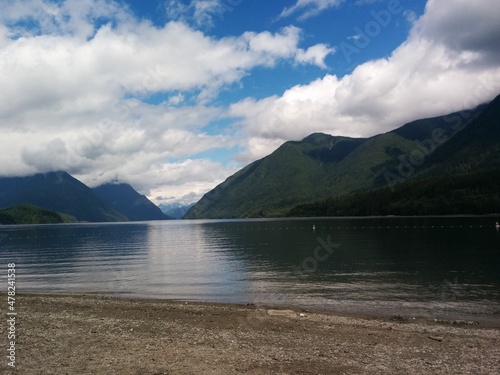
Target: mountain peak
[62,193]
[322,166]
[318,138]
[125,199]
[58,192]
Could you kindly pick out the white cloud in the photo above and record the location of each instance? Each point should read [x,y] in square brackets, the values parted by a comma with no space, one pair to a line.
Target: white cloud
[179,201]
[309,8]
[59,72]
[315,55]
[442,67]
[463,26]
[410,15]
[174,179]
[75,18]
[284,45]
[73,91]
[201,13]
[176,99]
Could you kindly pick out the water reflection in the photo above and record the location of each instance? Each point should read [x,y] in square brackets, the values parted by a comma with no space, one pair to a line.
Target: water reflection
[187,262]
[436,262]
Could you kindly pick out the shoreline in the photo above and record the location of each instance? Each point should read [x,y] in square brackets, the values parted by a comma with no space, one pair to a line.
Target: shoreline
[413,311]
[86,333]
[273,218]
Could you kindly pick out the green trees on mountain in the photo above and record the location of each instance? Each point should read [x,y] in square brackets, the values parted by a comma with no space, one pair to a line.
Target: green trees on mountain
[475,193]
[442,165]
[27,214]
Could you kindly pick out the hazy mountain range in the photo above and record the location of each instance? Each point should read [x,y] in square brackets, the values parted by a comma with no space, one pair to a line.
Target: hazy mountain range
[443,165]
[428,153]
[177,210]
[61,193]
[125,200]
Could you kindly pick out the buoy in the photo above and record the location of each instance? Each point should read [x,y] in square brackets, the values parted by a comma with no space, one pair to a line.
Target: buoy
[497,225]
[314,227]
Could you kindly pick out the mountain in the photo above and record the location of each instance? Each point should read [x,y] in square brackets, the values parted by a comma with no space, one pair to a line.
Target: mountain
[475,193]
[27,214]
[294,173]
[475,147]
[62,193]
[177,210]
[322,166]
[124,199]
[58,192]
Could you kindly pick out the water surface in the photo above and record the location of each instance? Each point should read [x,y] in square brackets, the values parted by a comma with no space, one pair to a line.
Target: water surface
[435,267]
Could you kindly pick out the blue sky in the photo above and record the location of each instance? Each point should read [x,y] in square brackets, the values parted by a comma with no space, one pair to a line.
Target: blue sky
[336,26]
[174,96]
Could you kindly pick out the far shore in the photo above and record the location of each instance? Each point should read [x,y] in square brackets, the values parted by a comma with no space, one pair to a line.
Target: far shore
[496,216]
[98,334]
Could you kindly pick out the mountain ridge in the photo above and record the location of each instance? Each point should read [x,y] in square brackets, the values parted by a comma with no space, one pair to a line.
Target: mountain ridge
[62,193]
[58,192]
[124,199]
[322,166]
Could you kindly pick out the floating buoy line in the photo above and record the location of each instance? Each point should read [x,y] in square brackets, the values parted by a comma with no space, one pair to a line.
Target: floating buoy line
[314,227]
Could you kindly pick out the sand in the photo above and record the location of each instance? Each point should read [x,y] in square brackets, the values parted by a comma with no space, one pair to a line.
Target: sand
[95,334]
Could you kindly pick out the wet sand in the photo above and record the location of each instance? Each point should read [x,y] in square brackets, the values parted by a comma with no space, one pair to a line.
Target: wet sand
[95,334]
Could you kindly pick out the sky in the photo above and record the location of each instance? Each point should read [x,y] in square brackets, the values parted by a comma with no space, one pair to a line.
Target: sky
[175,96]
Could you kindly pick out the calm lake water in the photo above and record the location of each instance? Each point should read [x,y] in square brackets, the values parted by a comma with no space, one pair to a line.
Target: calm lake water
[434,267]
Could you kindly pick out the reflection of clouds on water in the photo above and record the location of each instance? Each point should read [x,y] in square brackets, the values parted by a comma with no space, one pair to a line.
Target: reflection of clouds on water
[107,257]
[406,264]
[191,260]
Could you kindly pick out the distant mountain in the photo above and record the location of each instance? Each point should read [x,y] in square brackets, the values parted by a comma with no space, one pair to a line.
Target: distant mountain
[58,192]
[62,193]
[323,166]
[177,210]
[124,199]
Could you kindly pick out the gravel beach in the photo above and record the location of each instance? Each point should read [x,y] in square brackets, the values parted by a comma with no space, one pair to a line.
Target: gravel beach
[95,334]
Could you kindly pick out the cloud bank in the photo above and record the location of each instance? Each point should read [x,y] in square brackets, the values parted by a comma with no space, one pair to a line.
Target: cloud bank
[442,67]
[77,90]
[89,88]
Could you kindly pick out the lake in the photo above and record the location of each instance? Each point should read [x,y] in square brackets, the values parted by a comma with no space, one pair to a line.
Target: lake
[443,267]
